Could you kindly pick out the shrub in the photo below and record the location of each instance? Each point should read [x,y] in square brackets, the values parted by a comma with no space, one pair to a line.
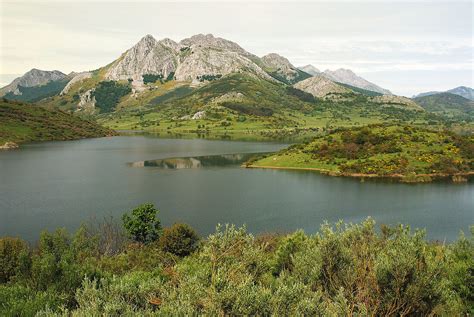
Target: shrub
[11,252]
[179,239]
[142,225]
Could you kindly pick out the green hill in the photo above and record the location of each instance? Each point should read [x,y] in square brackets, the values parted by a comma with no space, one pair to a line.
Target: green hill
[20,122]
[448,104]
[408,153]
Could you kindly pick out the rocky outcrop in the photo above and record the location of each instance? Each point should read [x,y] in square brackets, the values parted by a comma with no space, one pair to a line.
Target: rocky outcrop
[87,100]
[310,69]
[77,78]
[230,96]
[199,115]
[32,78]
[9,146]
[321,87]
[346,76]
[396,101]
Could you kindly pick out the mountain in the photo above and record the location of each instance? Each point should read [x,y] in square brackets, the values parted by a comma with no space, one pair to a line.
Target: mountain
[310,69]
[281,69]
[462,91]
[320,86]
[448,104]
[21,122]
[205,83]
[346,76]
[198,58]
[148,56]
[35,85]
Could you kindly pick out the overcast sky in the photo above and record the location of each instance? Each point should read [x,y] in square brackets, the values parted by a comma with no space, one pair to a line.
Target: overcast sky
[405,46]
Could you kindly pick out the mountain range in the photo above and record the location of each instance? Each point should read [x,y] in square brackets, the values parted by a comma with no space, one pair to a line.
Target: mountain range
[197,59]
[209,77]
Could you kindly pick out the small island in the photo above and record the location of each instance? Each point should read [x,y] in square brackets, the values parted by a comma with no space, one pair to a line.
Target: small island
[405,153]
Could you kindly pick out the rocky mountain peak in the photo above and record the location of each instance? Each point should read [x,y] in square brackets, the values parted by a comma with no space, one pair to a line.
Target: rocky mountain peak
[310,69]
[273,60]
[148,56]
[34,77]
[347,76]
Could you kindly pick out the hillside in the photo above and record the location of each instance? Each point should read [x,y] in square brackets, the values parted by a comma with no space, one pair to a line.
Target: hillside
[447,104]
[243,105]
[406,153]
[20,122]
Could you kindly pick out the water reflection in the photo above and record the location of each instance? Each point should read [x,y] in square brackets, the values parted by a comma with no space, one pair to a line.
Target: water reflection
[197,161]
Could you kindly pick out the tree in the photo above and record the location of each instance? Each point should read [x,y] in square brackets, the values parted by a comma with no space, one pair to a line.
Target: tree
[179,239]
[141,224]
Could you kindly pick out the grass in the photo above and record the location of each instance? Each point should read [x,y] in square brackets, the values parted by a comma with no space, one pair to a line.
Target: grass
[20,122]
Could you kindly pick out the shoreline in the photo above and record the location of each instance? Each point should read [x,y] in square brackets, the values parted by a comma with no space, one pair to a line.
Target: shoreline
[417,178]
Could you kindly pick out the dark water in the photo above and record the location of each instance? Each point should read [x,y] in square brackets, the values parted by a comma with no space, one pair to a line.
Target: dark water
[61,184]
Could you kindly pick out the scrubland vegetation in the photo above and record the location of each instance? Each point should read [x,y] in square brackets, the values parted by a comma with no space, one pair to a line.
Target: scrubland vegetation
[343,269]
[382,150]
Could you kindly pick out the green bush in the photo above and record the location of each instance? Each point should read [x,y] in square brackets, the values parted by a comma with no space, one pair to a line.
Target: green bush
[179,239]
[12,250]
[142,225]
[343,270]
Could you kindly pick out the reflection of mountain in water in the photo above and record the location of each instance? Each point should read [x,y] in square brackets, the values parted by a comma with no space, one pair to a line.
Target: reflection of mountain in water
[196,161]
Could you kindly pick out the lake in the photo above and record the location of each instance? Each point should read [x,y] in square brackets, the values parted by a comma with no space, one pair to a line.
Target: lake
[63,184]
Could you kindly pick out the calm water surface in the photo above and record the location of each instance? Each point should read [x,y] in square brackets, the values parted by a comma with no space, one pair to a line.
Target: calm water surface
[62,184]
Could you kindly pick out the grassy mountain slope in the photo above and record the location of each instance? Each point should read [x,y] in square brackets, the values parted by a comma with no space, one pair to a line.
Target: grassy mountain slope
[20,122]
[447,104]
[381,150]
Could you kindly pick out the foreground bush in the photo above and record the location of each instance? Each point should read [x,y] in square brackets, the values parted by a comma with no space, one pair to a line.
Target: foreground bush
[342,270]
[179,239]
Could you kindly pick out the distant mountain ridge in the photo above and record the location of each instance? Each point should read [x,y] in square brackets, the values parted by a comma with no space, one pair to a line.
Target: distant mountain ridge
[462,91]
[32,78]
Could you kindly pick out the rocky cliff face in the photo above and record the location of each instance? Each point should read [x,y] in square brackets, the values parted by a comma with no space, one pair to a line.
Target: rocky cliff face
[346,76]
[310,69]
[194,58]
[148,56]
[32,78]
[321,87]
